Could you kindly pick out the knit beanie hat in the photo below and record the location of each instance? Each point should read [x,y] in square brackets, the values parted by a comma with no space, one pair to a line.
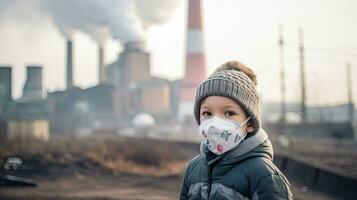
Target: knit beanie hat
[235,81]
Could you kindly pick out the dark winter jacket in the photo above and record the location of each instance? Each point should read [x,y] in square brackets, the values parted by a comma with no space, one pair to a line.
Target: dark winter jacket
[246,172]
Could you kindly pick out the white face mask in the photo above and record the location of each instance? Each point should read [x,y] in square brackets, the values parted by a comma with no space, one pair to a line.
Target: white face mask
[221,135]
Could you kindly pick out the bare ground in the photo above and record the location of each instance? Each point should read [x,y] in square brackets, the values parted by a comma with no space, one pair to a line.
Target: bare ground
[119,168]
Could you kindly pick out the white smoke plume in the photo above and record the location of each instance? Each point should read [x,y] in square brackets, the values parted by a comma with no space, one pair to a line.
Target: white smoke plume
[124,20]
[19,11]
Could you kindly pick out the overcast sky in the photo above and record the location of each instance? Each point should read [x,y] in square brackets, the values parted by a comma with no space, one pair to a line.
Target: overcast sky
[234,30]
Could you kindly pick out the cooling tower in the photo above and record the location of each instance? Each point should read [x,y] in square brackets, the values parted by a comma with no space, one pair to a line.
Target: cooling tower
[5,84]
[33,86]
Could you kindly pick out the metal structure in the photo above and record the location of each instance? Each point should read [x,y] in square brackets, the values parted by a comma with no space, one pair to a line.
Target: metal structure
[282,74]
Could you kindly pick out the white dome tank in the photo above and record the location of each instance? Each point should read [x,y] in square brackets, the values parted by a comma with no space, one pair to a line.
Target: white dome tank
[143,120]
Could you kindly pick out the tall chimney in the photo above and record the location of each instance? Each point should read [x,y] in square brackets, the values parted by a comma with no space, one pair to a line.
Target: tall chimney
[5,84]
[69,83]
[195,70]
[101,71]
[302,76]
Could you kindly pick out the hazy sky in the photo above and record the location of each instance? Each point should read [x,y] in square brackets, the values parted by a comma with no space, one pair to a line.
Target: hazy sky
[234,30]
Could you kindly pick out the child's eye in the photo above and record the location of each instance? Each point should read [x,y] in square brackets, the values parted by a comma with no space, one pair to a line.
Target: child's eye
[206,113]
[229,113]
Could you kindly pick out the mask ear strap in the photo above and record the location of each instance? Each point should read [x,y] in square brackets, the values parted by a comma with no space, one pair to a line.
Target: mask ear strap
[245,121]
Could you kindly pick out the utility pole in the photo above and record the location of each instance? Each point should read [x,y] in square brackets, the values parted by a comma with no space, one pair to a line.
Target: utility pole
[302,76]
[349,93]
[282,74]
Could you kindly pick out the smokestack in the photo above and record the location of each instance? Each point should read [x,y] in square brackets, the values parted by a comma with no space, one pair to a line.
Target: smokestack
[282,74]
[33,85]
[134,46]
[69,53]
[5,84]
[195,70]
[302,76]
[135,62]
[101,71]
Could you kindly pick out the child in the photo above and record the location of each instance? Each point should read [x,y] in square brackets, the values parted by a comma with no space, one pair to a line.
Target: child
[236,154]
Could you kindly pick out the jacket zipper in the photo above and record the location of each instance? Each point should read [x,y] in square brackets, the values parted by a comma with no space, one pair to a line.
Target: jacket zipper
[209,178]
[209,181]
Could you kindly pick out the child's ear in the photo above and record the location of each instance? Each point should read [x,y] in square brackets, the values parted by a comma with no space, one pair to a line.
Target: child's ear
[250,128]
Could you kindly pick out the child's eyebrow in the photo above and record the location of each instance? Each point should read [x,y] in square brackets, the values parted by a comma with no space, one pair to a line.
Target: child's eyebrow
[228,106]
[206,107]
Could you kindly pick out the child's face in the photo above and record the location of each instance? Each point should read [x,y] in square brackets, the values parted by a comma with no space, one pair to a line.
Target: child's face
[225,108]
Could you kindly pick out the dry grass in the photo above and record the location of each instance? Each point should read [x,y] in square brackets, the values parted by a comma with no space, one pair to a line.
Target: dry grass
[137,156]
[140,156]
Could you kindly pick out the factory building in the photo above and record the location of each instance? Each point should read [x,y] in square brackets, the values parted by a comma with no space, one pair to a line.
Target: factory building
[96,104]
[64,113]
[132,65]
[82,111]
[175,88]
[136,91]
[153,97]
[25,118]
[126,88]
[28,129]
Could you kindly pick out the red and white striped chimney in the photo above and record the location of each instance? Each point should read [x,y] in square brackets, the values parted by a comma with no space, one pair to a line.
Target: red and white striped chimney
[195,71]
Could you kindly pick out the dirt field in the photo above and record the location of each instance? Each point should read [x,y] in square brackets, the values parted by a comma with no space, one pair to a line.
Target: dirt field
[97,185]
[107,168]
[99,168]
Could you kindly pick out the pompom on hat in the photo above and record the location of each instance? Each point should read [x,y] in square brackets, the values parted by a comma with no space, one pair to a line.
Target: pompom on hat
[235,81]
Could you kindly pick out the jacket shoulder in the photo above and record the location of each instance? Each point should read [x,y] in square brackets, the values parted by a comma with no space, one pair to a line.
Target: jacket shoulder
[258,167]
[194,163]
[265,176]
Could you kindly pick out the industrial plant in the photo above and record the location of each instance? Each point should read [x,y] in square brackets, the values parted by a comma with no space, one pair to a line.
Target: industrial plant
[134,134]
[127,89]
